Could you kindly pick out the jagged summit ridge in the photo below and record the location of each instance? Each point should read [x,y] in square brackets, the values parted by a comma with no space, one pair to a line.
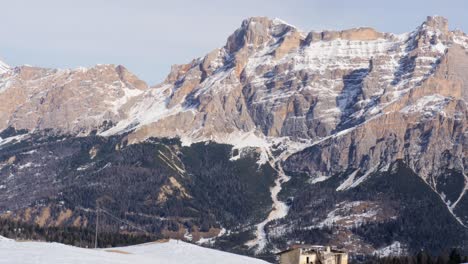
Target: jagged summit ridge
[256,31]
[263,55]
[437,23]
[272,79]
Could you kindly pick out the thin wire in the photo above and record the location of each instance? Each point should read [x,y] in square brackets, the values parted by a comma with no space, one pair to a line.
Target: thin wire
[123,221]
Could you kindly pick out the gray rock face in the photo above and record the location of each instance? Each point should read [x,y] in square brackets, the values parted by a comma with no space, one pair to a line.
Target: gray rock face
[66,101]
[269,78]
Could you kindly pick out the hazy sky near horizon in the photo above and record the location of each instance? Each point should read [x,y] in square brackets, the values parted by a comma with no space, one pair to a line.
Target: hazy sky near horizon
[149,36]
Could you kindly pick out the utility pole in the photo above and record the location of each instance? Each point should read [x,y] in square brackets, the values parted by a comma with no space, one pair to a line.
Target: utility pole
[97,225]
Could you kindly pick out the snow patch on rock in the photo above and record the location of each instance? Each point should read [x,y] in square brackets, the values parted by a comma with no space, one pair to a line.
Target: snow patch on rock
[428,105]
[4,67]
[394,249]
[348,216]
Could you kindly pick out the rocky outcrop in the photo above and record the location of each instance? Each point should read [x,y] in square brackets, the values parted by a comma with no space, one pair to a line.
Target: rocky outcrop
[356,34]
[66,101]
[426,127]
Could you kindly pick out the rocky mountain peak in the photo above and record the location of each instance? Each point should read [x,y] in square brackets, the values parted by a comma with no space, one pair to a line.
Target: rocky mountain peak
[430,39]
[129,78]
[433,31]
[256,31]
[277,80]
[437,23]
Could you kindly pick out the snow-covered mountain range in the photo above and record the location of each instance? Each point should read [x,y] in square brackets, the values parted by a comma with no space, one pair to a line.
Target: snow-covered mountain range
[327,111]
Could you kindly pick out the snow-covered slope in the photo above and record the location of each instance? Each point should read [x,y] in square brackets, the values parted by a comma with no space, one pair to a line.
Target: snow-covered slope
[4,239]
[171,252]
[3,67]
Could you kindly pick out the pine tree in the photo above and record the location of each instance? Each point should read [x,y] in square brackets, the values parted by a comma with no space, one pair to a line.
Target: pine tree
[455,257]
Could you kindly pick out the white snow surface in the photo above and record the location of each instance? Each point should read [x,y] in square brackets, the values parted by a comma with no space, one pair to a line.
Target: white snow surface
[352,182]
[279,208]
[394,249]
[3,67]
[4,141]
[461,40]
[348,182]
[211,240]
[429,105]
[346,217]
[171,252]
[151,108]
[4,239]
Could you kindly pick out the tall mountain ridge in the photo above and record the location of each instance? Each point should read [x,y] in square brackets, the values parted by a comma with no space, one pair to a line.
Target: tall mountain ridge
[338,136]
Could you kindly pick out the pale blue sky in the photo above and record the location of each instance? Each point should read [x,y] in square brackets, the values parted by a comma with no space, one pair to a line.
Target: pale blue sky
[149,36]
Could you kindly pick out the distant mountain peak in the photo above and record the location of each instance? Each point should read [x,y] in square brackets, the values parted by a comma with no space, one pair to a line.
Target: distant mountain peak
[437,23]
[256,31]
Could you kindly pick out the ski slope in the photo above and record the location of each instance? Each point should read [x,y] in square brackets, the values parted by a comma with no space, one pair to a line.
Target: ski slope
[171,252]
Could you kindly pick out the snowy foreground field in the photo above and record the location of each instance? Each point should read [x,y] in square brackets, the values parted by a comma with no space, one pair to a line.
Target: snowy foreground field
[170,252]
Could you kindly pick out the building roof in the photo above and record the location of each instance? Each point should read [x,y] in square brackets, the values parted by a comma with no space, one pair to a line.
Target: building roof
[315,248]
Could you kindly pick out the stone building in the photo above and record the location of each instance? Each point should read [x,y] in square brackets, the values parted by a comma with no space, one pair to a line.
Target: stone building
[304,254]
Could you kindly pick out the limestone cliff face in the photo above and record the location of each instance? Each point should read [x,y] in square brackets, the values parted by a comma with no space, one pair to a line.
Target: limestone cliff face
[425,126]
[270,78]
[275,80]
[66,101]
